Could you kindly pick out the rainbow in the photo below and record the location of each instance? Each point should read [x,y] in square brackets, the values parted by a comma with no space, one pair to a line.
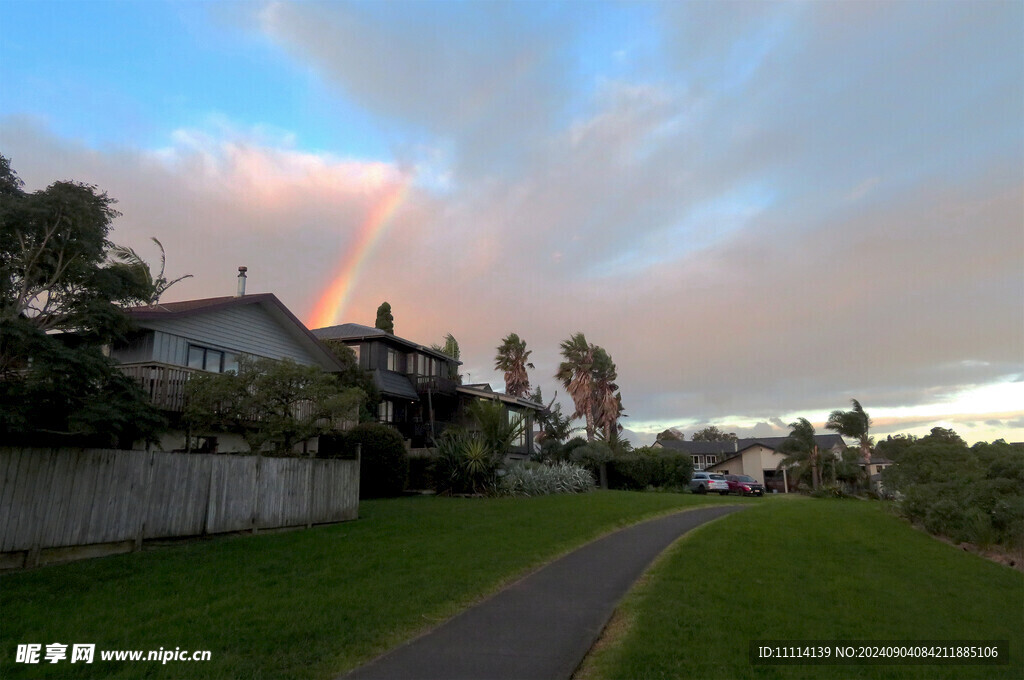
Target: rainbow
[332,302]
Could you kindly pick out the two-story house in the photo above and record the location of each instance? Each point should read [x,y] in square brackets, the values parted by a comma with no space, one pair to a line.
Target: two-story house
[419,386]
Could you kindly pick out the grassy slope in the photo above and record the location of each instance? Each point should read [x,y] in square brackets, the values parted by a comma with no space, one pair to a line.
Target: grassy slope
[809,570]
[304,604]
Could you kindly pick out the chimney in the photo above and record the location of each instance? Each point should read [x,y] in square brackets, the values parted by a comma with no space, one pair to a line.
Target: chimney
[241,281]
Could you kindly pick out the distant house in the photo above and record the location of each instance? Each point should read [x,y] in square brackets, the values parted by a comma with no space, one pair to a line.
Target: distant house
[421,394]
[177,339]
[757,457]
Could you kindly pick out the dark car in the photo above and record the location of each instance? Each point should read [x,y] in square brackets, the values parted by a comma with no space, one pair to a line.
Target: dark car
[744,485]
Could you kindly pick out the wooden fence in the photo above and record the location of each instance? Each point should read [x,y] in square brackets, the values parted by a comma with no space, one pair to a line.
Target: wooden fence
[57,498]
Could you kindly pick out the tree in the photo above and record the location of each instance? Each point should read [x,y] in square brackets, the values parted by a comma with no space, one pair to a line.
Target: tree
[59,300]
[135,265]
[275,403]
[513,359]
[450,348]
[385,320]
[575,374]
[607,398]
[854,424]
[712,434]
[800,451]
[670,435]
[943,435]
[353,376]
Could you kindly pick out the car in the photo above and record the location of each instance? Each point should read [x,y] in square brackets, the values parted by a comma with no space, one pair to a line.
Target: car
[744,485]
[703,482]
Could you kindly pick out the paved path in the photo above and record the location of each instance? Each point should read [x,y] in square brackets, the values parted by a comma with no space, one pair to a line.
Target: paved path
[543,625]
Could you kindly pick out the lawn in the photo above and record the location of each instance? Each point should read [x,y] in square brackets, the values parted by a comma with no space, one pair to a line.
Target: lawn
[808,570]
[302,604]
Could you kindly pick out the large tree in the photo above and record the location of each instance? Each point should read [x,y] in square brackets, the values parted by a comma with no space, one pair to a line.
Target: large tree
[59,306]
[576,375]
[855,424]
[607,398]
[800,451]
[385,319]
[711,433]
[274,405]
[670,435]
[513,358]
[134,265]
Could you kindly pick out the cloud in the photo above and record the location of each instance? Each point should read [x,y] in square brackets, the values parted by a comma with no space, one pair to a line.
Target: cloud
[798,204]
[487,80]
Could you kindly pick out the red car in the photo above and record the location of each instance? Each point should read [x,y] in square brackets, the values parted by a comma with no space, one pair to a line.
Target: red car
[744,485]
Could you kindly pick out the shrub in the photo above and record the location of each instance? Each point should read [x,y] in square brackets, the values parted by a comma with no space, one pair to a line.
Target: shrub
[532,479]
[464,464]
[967,494]
[648,470]
[385,462]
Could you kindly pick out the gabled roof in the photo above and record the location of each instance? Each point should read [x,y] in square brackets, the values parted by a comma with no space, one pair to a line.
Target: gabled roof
[268,301]
[728,448]
[355,331]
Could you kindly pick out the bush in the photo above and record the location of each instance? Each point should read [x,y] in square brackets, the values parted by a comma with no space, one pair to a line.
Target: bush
[644,470]
[464,464]
[539,480]
[385,463]
[966,494]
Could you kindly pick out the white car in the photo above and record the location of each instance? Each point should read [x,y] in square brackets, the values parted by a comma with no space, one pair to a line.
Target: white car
[703,482]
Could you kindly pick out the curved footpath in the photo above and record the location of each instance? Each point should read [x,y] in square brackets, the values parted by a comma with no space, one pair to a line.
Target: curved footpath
[543,625]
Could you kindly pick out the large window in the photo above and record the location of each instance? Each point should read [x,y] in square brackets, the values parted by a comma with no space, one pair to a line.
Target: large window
[392,360]
[213,360]
[386,411]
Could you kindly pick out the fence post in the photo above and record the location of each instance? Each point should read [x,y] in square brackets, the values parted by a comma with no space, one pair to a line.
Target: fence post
[309,492]
[256,493]
[143,507]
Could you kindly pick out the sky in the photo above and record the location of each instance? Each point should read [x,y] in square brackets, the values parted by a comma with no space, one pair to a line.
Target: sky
[760,210]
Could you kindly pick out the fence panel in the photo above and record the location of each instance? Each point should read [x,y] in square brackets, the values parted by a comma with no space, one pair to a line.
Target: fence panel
[69,497]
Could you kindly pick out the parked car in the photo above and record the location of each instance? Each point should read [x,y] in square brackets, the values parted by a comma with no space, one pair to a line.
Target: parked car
[744,485]
[703,482]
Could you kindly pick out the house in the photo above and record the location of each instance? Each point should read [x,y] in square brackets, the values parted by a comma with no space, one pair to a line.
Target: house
[420,388]
[757,457]
[174,340]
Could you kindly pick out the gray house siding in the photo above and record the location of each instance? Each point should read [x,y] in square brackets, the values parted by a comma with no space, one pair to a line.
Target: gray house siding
[247,329]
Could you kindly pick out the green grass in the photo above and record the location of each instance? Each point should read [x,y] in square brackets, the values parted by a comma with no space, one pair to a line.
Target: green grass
[304,604]
[808,570]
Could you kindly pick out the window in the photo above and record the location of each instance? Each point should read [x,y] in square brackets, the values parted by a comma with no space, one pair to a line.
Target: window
[386,411]
[392,360]
[515,419]
[355,350]
[206,359]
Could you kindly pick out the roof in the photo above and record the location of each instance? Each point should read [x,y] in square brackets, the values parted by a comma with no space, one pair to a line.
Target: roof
[484,391]
[355,331]
[269,301]
[394,385]
[825,441]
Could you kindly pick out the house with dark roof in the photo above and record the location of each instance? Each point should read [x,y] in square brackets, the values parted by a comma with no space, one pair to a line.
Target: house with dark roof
[177,339]
[420,388]
[757,457]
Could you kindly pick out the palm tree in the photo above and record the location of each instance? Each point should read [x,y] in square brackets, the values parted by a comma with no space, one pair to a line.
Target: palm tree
[576,376]
[801,451]
[854,424]
[127,257]
[513,359]
[607,399]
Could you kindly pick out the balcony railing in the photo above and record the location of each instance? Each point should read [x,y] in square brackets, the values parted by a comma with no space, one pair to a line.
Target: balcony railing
[435,384]
[164,384]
